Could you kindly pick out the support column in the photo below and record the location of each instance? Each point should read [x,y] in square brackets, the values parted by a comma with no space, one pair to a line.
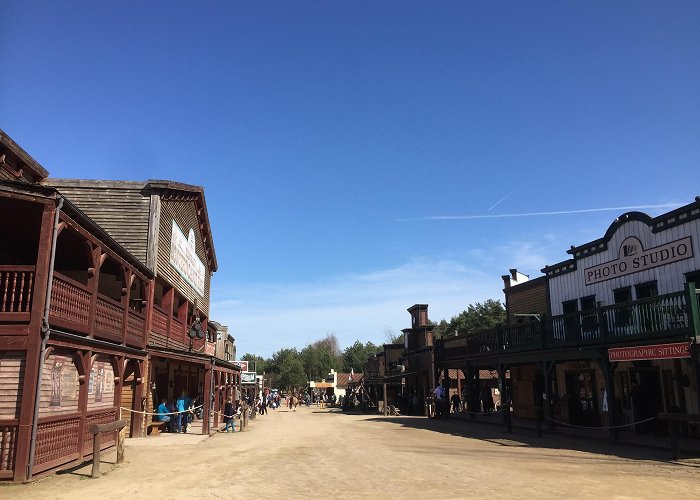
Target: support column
[137,419]
[207,399]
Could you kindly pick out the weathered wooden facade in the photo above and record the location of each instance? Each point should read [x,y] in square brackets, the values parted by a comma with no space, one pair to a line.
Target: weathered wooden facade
[165,224]
[73,323]
[620,340]
[419,376]
[94,320]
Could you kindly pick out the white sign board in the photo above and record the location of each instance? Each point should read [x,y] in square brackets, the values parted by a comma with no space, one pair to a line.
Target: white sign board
[184,259]
[247,377]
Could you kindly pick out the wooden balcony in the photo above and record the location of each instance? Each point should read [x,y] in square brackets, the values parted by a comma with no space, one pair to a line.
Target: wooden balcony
[71,308]
[16,284]
[667,317]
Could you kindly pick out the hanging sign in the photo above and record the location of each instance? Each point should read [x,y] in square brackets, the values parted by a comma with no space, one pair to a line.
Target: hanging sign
[658,351]
[247,377]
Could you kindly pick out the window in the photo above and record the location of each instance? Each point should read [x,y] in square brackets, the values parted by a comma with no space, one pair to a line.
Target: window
[623,295]
[569,307]
[645,290]
[589,320]
[694,278]
[588,303]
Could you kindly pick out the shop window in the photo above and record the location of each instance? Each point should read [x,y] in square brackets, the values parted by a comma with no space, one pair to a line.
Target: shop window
[646,290]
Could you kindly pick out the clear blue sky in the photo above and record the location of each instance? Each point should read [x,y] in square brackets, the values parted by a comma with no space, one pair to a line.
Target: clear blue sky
[327,134]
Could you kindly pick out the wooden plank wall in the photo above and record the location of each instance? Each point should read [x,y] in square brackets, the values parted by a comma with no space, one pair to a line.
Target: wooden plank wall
[101,373]
[121,208]
[670,278]
[70,388]
[11,380]
[185,215]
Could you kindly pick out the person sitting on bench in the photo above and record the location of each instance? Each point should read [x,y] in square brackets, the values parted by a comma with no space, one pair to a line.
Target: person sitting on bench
[162,413]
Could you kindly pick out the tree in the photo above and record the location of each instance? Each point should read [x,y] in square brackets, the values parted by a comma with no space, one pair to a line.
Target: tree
[261,364]
[320,356]
[356,355]
[479,316]
[288,368]
[392,337]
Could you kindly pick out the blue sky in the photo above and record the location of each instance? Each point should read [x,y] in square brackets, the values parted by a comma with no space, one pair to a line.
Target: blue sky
[330,137]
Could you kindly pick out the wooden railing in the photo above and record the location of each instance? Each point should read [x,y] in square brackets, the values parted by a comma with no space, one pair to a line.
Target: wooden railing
[16,286]
[109,319]
[70,309]
[57,441]
[177,330]
[160,321]
[666,316]
[656,315]
[8,447]
[101,417]
[70,302]
[64,438]
[135,325]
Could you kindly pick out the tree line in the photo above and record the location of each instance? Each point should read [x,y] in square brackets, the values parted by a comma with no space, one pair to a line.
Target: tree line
[291,367]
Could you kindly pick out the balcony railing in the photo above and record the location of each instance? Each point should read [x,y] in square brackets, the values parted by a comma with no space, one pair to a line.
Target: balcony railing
[71,309]
[16,286]
[663,317]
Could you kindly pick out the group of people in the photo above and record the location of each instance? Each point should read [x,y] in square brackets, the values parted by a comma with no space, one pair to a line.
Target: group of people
[177,414]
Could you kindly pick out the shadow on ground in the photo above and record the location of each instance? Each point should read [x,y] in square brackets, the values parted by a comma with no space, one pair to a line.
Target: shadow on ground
[521,437]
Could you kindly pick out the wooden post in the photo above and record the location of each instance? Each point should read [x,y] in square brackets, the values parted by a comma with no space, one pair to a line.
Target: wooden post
[507,417]
[97,440]
[386,406]
[120,445]
[538,419]
[97,430]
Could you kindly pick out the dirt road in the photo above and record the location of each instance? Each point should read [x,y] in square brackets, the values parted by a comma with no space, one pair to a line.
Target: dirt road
[327,454]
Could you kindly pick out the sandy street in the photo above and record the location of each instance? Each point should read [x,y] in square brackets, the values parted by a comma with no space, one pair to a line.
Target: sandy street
[327,454]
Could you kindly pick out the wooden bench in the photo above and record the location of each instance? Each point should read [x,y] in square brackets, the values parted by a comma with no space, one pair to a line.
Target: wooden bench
[155,428]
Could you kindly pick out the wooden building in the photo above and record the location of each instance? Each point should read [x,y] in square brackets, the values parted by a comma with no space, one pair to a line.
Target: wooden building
[165,224]
[73,324]
[94,319]
[619,340]
[419,376]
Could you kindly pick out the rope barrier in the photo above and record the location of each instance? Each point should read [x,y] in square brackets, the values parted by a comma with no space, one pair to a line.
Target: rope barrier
[228,416]
[599,427]
[156,413]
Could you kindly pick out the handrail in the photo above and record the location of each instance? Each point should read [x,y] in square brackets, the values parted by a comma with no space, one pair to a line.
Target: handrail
[20,269]
[71,281]
[660,315]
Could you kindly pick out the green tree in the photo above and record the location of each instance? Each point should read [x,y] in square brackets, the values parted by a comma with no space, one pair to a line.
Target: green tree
[261,364]
[319,357]
[288,369]
[356,355]
[479,316]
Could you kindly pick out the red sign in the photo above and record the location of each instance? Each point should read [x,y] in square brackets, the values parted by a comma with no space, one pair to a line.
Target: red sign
[658,351]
